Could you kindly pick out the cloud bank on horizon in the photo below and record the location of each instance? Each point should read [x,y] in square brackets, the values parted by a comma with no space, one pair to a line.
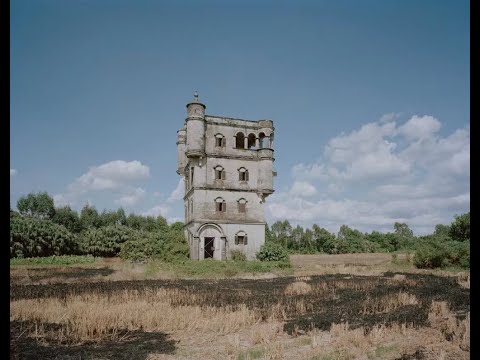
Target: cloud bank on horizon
[382,173]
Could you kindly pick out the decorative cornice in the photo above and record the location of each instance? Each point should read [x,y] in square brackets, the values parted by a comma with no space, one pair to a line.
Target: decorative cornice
[226,221]
[212,188]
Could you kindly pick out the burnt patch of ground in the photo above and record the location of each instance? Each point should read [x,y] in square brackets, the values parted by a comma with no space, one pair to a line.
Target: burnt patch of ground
[334,298]
[347,304]
[130,345]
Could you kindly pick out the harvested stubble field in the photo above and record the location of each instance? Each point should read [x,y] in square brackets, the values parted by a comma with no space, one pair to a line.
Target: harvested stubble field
[332,316]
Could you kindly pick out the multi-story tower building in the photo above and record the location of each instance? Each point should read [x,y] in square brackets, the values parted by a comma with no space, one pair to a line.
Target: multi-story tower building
[227,166]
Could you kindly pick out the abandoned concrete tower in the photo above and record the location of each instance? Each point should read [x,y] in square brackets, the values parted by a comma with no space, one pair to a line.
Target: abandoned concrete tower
[227,166]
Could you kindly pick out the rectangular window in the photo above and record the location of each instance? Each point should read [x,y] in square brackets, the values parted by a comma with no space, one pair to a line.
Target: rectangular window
[241,207]
[219,142]
[191,176]
[243,175]
[220,206]
[218,174]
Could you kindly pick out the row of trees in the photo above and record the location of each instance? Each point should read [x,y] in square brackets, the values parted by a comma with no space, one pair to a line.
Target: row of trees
[447,245]
[348,240]
[40,229]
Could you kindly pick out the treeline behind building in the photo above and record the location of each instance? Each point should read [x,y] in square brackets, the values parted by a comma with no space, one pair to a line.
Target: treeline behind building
[448,245]
[41,229]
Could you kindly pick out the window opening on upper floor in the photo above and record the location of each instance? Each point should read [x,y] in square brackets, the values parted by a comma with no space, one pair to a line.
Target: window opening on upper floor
[263,140]
[242,174]
[219,173]
[242,205]
[220,205]
[240,141]
[220,140]
[251,141]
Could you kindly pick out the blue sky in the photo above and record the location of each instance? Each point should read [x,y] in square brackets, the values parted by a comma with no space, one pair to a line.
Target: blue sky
[370,101]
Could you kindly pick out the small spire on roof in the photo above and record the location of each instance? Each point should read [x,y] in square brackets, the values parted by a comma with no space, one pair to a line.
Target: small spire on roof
[195,95]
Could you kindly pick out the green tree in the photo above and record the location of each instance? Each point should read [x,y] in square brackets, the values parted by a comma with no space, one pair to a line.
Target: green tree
[307,243]
[67,217]
[31,237]
[281,231]
[384,242]
[293,242]
[403,230]
[89,218]
[460,228]
[117,217]
[162,223]
[38,205]
[177,226]
[441,233]
[268,234]
[321,236]
[403,236]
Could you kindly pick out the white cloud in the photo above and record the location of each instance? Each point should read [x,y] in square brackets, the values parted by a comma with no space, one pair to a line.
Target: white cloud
[379,174]
[303,189]
[389,117]
[134,198]
[111,175]
[420,127]
[13,172]
[162,210]
[178,193]
[118,179]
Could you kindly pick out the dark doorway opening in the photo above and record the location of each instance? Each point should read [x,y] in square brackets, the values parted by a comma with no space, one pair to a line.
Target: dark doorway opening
[209,248]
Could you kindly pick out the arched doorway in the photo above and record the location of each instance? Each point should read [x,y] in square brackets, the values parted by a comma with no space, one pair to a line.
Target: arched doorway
[212,242]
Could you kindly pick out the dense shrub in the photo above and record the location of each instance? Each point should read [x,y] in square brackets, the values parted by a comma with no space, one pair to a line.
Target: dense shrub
[142,248]
[31,237]
[169,246]
[238,255]
[272,252]
[434,254]
[460,228]
[106,241]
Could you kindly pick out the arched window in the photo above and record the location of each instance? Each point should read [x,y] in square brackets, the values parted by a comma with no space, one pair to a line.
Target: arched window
[220,140]
[241,238]
[191,206]
[263,140]
[219,172]
[240,140]
[220,205]
[251,140]
[242,205]
[242,174]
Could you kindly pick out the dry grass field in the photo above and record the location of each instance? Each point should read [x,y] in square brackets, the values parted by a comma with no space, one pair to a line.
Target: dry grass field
[360,306]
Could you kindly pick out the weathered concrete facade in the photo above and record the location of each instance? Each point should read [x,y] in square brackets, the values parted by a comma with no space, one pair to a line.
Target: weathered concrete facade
[227,165]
